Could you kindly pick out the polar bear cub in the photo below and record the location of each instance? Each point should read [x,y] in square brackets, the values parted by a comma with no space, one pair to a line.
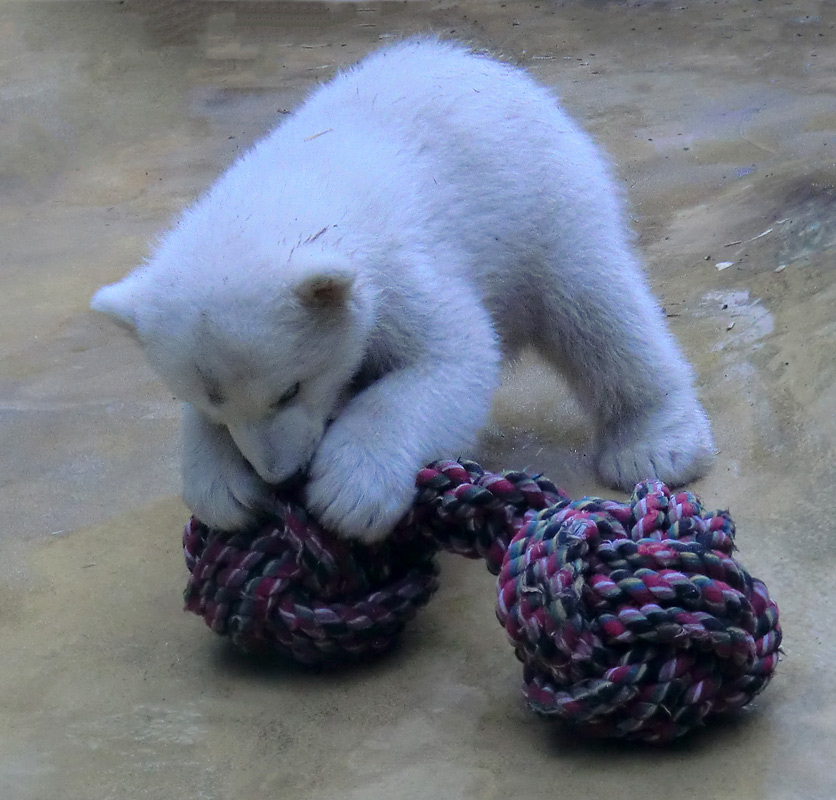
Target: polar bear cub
[339,301]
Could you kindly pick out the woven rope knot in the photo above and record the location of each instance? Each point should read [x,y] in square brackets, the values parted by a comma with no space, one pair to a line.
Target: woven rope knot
[635,619]
[631,620]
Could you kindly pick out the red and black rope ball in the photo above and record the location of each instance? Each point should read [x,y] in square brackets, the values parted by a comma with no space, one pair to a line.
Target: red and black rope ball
[632,620]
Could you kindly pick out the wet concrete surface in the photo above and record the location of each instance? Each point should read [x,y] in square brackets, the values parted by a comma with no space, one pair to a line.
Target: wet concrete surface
[721,119]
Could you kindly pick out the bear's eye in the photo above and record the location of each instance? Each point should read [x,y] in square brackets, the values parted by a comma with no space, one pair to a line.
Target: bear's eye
[214,395]
[287,396]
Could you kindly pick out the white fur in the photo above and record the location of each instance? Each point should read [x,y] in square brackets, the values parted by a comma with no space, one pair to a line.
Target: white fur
[418,216]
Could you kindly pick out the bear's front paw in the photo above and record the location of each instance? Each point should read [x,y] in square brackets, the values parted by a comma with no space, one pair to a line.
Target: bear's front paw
[357,493]
[225,493]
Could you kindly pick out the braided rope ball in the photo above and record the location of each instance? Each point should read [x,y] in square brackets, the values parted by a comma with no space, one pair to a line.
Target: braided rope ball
[631,620]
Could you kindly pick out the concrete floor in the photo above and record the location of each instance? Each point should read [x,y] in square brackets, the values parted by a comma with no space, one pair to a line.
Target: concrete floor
[721,118]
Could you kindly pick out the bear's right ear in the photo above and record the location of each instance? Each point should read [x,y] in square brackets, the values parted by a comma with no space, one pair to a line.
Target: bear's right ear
[119,302]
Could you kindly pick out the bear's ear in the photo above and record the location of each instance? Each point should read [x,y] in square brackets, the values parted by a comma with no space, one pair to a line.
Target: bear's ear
[119,302]
[325,282]
[325,289]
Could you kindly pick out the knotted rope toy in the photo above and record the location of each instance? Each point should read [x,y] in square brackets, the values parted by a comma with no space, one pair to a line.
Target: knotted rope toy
[631,620]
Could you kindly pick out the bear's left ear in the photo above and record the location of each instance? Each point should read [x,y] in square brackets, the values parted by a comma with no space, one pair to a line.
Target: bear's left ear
[325,281]
[119,302]
[325,290]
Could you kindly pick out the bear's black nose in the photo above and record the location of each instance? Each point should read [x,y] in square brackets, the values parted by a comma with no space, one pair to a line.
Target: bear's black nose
[294,484]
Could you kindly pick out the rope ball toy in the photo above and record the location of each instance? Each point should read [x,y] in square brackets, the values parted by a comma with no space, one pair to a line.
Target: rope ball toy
[632,620]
